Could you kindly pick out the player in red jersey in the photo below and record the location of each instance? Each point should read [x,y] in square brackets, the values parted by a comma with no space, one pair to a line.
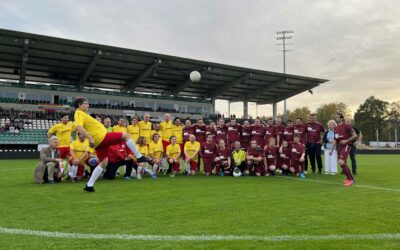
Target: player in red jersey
[279,130]
[208,153]
[212,130]
[223,159]
[297,156]
[344,137]
[300,129]
[200,130]
[255,159]
[314,143]
[270,157]
[270,130]
[233,133]
[284,157]
[221,130]
[288,132]
[245,134]
[187,131]
[258,132]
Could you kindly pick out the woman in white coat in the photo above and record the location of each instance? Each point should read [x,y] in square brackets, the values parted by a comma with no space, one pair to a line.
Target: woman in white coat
[330,160]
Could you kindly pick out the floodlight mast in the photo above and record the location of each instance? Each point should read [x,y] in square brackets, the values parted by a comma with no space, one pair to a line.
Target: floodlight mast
[284,35]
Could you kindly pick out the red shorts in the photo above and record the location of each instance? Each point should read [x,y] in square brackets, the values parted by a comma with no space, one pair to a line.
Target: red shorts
[297,165]
[193,165]
[81,170]
[111,138]
[284,162]
[271,162]
[64,152]
[208,165]
[165,144]
[260,168]
[344,151]
[176,167]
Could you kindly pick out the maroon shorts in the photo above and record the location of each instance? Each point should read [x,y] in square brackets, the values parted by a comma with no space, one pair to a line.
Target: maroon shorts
[344,151]
[260,168]
[81,170]
[271,162]
[111,138]
[297,165]
[64,152]
[165,145]
[208,165]
[284,162]
[193,165]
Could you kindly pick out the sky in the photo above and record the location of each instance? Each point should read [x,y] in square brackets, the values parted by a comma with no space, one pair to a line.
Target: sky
[353,43]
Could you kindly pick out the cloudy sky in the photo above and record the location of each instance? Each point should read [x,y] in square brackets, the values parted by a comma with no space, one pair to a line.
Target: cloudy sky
[353,43]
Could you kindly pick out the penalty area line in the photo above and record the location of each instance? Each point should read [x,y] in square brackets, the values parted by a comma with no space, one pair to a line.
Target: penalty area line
[336,183]
[142,237]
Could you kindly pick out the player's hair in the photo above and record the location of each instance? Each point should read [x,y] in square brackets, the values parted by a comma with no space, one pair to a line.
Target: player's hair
[313,114]
[141,140]
[79,101]
[209,134]
[340,115]
[63,114]
[289,121]
[154,135]
[296,135]
[121,117]
[331,121]
[176,118]
[134,117]
[170,139]
[299,118]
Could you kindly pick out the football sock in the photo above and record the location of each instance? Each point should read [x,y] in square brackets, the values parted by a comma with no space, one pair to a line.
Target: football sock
[155,166]
[347,172]
[132,146]
[95,175]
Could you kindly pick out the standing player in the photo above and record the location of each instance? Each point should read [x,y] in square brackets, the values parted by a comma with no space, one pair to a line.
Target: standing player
[187,130]
[314,143]
[120,127]
[107,124]
[166,130]
[212,130]
[133,129]
[344,137]
[99,139]
[255,159]
[177,131]
[173,152]
[200,130]
[258,132]
[145,127]
[279,129]
[208,153]
[191,151]
[233,133]
[270,130]
[245,134]
[288,132]
[221,130]
[297,156]
[156,130]
[270,157]
[223,159]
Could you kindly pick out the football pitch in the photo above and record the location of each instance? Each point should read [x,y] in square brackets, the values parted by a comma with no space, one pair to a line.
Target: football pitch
[204,212]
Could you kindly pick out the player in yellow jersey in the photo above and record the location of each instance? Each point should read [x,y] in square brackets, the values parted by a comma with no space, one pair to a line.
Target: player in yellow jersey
[141,167]
[63,131]
[80,152]
[173,153]
[99,139]
[120,127]
[191,151]
[145,127]
[166,130]
[134,129]
[156,130]
[177,130]
[156,153]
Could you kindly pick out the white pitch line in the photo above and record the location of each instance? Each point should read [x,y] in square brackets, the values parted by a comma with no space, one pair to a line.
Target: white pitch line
[336,183]
[380,236]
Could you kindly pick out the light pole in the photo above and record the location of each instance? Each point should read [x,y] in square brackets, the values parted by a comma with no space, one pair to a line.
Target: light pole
[284,35]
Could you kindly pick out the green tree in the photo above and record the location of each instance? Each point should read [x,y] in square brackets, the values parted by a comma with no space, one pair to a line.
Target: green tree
[303,113]
[327,112]
[371,116]
[394,120]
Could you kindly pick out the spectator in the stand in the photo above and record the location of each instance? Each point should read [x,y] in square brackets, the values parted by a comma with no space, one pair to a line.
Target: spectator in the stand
[356,142]
[107,124]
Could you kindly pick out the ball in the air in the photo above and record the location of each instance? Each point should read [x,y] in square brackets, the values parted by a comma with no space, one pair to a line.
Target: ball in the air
[195,76]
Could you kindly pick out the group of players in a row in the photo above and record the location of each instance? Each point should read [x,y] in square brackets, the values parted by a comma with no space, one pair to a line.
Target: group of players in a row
[255,149]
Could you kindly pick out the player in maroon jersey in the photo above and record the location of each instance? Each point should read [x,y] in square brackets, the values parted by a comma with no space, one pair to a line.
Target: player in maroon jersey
[187,131]
[344,137]
[258,132]
[313,146]
[208,153]
[297,156]
[284,157]
[288,132]
[200,130]
[245,134]
[270,130]
[212,130]
[300,129]
[279,130]
[270,157]
[233,132]
[221,130]
[255,159]
[223,159]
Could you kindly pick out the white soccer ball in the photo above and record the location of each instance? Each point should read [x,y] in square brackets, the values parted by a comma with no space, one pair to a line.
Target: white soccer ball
[195,76]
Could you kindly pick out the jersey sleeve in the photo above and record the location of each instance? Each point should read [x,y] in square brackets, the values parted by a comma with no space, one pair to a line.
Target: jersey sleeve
[79,119]
[53,129]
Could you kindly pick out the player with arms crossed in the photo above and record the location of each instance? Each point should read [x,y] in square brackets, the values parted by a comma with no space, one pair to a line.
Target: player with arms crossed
[344,137]
[99,139]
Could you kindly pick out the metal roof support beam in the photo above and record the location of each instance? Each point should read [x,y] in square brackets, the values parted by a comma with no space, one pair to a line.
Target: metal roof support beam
[82,80]
[280,98]
[181,87]
[25,57]
[132,84]
[230,85]
[274,110]
[246,108]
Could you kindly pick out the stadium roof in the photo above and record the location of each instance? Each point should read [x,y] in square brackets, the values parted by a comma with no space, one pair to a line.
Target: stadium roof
[26,57]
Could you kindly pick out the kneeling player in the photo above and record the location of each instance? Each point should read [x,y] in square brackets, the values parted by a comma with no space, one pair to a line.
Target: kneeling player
[191,151]
[223,159]
[208,153]
[297,154]
[80,152]
[119,155]
[142,167]
[156,153]
[173,152]
[255,159]
[270,157]
[284,157]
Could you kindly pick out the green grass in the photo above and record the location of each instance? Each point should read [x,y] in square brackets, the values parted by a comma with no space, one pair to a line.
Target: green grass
[265,206]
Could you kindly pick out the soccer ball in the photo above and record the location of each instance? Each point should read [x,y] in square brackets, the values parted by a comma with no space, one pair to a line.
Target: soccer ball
[93,161]
[195,76]
[236,172]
